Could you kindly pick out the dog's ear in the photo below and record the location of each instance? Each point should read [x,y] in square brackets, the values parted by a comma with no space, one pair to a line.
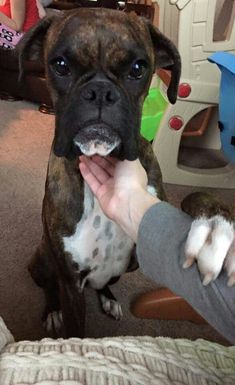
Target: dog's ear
[31,46]
[166,57]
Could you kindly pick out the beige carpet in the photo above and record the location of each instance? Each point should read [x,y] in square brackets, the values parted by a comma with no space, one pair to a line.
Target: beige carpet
[25,137]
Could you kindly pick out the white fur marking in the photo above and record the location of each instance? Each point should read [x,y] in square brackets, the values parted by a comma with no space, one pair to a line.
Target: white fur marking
[211,253]
[197,236]
[96,147]
[111,307]
[54,322]
[86,239]
[152,190]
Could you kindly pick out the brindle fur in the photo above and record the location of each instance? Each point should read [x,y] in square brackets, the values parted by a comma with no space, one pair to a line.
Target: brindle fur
[200,204]
[84,34]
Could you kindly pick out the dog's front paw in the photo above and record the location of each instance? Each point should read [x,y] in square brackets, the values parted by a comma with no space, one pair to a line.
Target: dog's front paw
[53,323]
[111,307]
[211,242]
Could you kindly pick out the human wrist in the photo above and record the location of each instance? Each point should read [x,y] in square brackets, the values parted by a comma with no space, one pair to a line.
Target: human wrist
[131,209]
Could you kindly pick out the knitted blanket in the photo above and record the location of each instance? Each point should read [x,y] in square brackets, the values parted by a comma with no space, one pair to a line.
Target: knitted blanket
[114,361]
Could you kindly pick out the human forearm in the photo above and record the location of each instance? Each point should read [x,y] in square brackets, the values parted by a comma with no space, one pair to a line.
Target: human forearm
[160,253]
[162,234]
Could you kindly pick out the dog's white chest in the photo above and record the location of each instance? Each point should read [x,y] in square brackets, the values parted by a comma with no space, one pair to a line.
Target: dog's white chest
[98,244]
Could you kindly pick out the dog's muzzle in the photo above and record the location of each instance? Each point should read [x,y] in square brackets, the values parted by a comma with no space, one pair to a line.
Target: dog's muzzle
[97,139]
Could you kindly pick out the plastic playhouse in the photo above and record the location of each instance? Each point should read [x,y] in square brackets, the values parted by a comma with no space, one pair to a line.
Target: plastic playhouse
[199,28]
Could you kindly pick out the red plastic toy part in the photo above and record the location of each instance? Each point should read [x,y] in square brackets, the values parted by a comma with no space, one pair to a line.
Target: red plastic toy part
[176,122]
[184,90]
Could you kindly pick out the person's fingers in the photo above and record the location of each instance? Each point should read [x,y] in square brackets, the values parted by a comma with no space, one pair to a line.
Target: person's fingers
[89,177]
[99,173]
[112,160]
[107,163]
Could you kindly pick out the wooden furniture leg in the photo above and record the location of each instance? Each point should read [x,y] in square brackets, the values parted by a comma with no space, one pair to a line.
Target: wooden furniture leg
[162,304]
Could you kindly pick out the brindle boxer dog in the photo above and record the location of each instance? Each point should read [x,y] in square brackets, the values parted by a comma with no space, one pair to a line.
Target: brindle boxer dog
[99,64]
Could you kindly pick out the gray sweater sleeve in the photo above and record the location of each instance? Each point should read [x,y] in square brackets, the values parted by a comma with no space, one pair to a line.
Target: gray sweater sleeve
[160,252]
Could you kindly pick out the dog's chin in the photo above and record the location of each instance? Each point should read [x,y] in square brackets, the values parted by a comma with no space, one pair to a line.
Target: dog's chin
[97,147]
[97,140]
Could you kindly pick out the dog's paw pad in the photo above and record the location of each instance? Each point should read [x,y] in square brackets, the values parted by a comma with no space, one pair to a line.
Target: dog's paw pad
[111,307]
[54,322]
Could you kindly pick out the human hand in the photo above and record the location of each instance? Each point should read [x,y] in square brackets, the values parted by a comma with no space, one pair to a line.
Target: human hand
[120,187]
[113,182]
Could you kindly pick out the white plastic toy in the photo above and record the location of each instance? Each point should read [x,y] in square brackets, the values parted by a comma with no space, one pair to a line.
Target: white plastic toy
[198,28]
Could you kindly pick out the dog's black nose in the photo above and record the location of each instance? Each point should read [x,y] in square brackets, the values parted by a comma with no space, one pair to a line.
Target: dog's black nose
[100,93]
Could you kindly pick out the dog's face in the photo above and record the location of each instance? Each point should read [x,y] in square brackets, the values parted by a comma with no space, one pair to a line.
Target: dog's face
[99,64]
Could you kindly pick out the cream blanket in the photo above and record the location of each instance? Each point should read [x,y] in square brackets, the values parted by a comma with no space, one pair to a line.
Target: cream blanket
[114,361]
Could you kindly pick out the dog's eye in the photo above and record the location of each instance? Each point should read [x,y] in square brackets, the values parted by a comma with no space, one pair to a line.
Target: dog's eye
[138,69]
[60,66]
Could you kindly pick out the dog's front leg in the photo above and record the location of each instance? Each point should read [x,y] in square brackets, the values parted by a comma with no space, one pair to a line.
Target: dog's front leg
[73,307]
[64,313]
[62,211]
[152,168]
[43,272]
[65,304]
